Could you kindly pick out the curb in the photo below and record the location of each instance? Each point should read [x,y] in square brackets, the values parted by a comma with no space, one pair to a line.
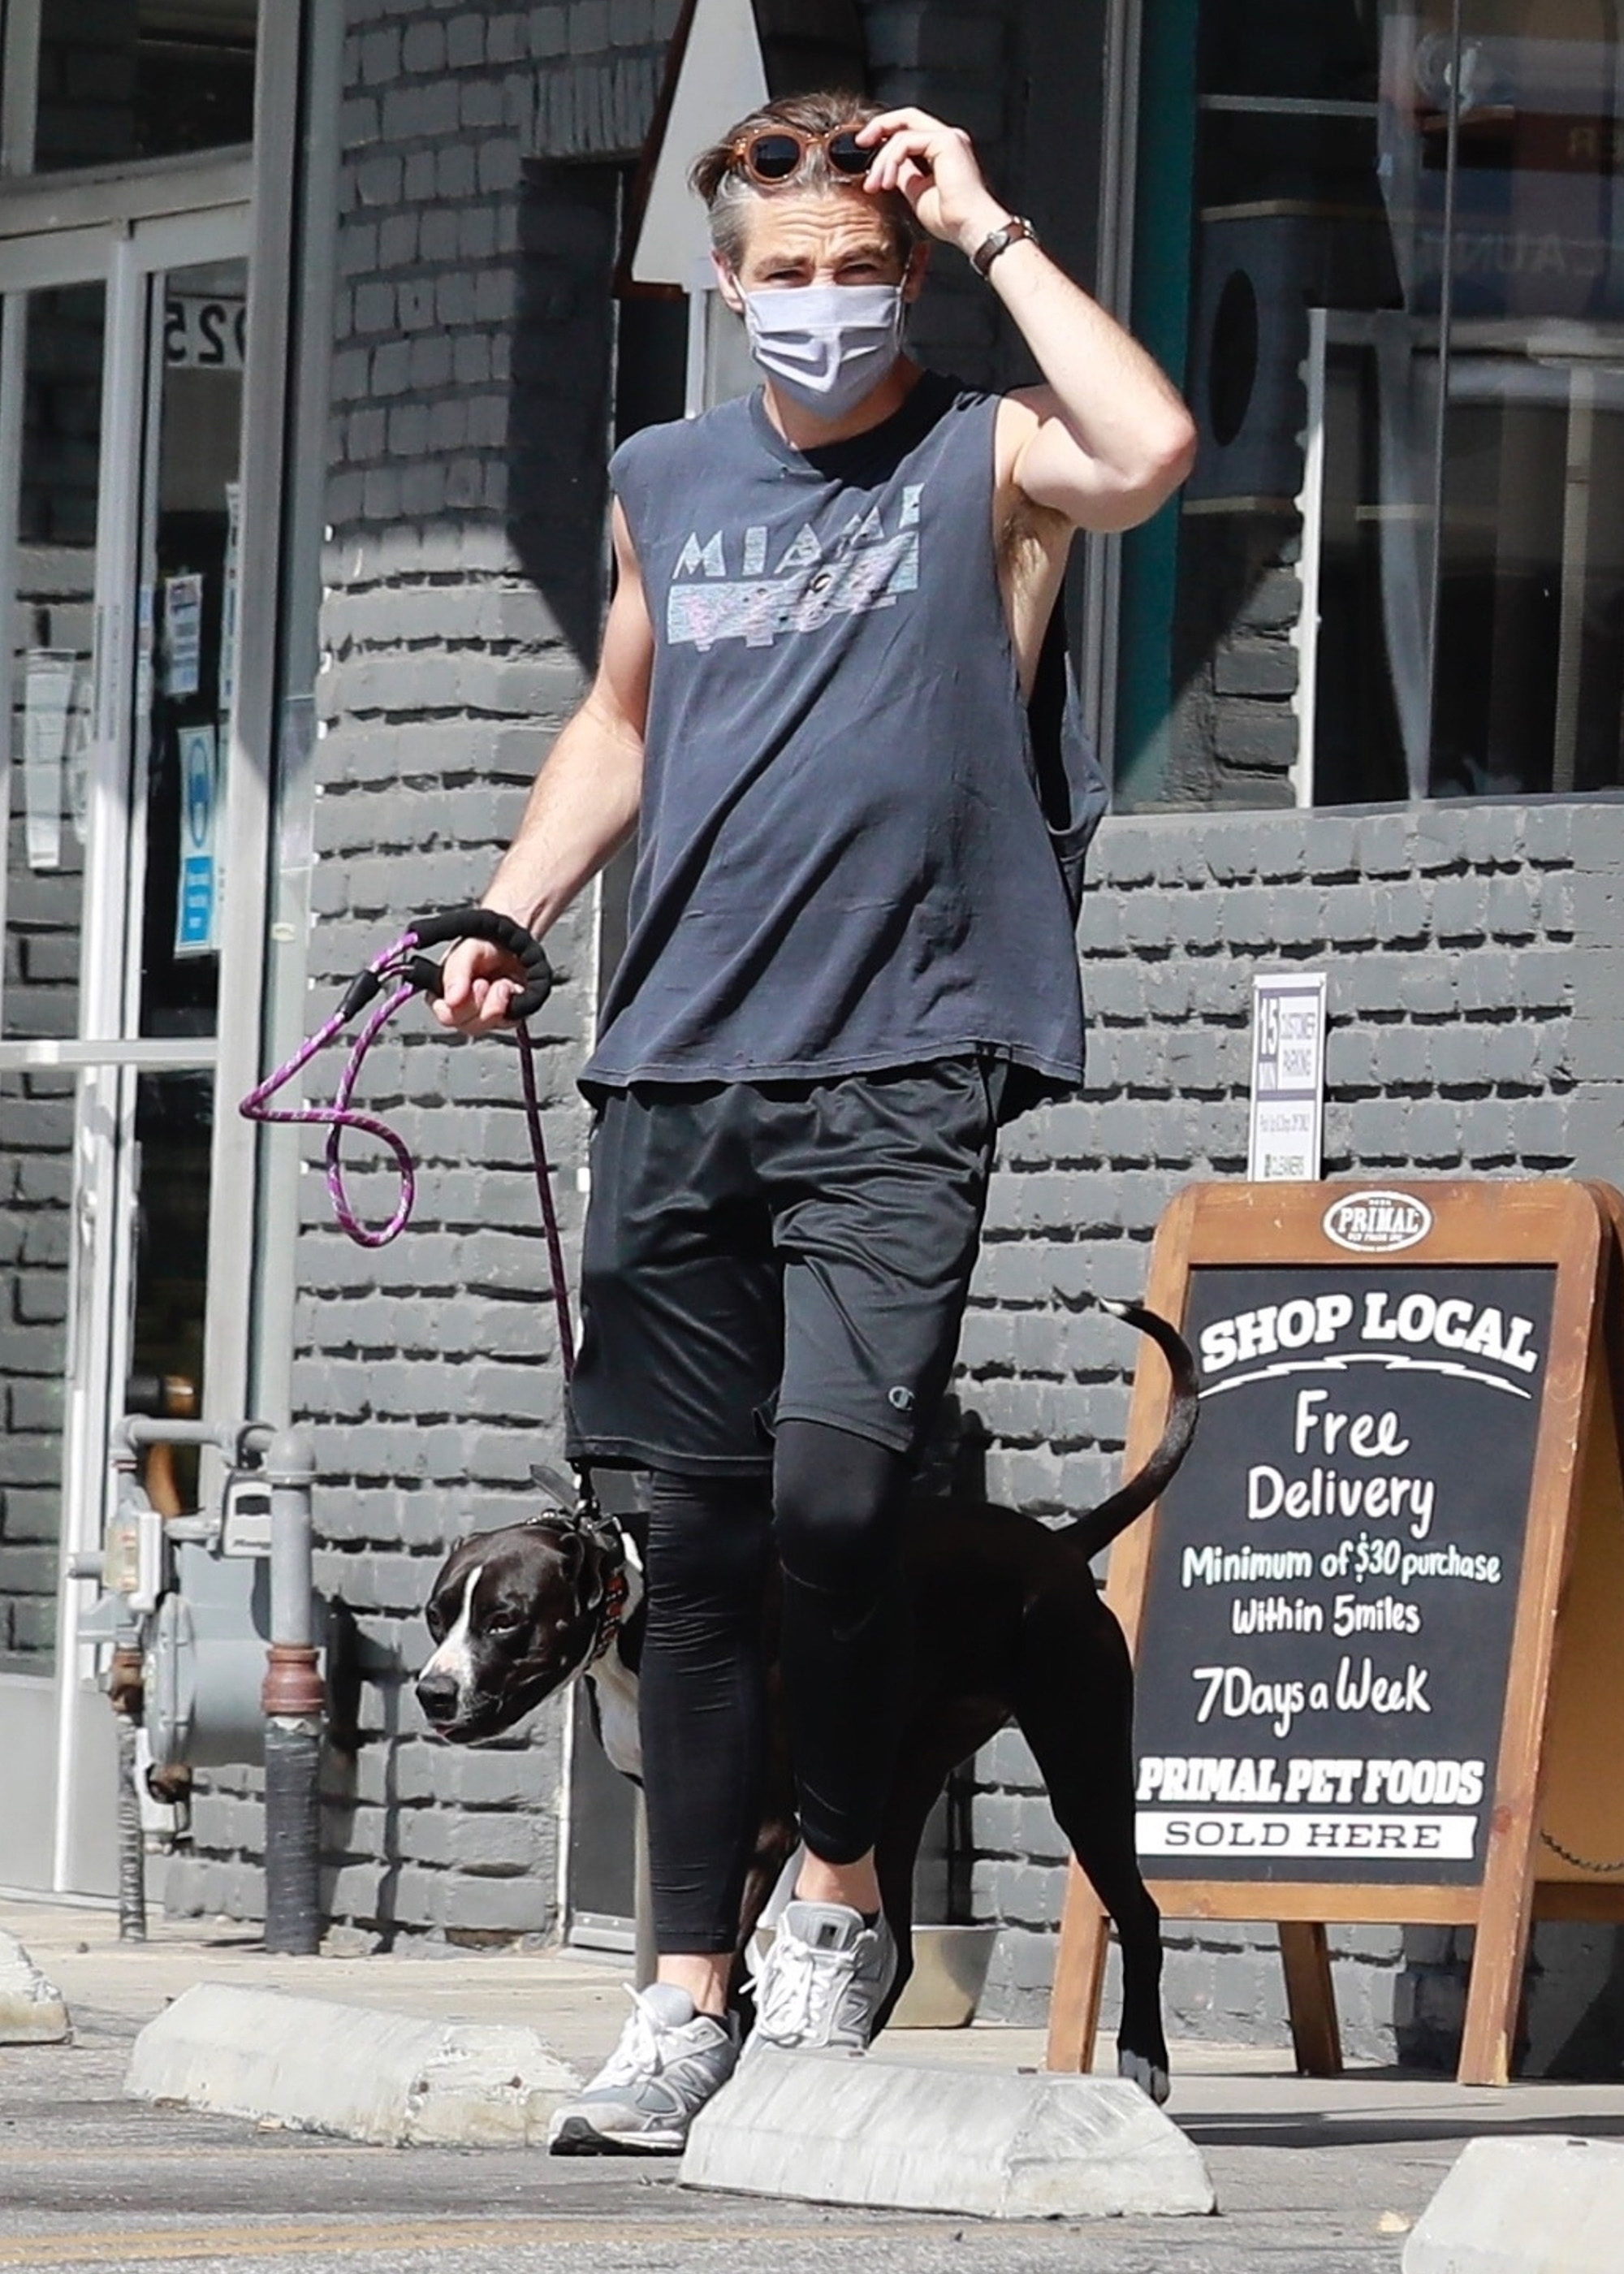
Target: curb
[32,2010]
[1548,2206]
[896,2135]
[318,2067]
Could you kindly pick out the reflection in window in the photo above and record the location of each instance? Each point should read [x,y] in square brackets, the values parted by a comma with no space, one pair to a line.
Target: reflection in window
[142,78]
[1398,570]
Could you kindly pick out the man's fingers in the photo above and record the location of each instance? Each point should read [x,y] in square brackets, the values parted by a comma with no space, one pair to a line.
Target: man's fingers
[907,142]
[908,158]
[897,121]
[492,997]
[916,157]
[460,972]
[475,993]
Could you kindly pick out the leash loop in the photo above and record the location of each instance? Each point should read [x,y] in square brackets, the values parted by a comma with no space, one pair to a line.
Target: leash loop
[390,980]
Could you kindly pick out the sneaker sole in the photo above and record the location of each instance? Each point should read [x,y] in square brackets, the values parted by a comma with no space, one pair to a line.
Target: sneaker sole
[578,2136]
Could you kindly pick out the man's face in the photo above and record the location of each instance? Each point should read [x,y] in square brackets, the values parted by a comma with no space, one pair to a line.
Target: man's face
[816,237]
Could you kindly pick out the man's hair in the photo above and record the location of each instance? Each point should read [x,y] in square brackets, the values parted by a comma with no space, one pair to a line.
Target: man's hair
[729,193]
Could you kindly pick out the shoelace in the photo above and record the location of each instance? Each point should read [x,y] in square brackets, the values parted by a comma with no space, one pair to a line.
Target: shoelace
[800,1988]
[639,2051]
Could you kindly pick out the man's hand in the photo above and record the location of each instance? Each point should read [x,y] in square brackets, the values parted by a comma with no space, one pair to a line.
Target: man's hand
[477,982]
[935,168]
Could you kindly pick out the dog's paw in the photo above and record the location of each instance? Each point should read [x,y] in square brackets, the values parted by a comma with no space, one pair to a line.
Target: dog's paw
[1150,2075]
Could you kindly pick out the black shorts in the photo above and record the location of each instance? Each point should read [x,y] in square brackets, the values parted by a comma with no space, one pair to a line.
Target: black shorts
[795,1250]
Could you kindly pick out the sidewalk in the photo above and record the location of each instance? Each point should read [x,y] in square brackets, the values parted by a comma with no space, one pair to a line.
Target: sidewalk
[1309,2173]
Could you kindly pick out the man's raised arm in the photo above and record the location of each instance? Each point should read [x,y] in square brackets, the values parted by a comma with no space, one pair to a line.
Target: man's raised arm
[1108,438]
[582,809]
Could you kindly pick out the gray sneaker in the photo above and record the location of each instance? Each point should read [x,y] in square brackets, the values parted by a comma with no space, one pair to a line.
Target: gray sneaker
[824,1980]
[669,2062]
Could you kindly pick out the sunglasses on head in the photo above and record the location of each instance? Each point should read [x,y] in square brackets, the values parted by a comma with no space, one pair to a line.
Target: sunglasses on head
[777,153]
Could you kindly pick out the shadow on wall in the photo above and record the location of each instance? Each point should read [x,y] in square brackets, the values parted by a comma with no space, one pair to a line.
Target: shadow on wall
[558,443]
[1571,2023]
[343,1844]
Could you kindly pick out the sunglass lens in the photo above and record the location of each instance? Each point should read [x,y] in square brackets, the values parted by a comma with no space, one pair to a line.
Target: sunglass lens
[846,154]
[774,157]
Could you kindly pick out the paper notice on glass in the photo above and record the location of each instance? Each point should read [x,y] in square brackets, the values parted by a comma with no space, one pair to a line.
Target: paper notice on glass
[183,634]
[229,607]
[1288,1077]
[198,891]
[47,701]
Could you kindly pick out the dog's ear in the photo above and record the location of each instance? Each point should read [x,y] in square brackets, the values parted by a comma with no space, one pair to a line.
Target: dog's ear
[572,1552]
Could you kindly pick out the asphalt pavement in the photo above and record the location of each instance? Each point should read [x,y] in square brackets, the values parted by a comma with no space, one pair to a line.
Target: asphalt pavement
[1314,2176]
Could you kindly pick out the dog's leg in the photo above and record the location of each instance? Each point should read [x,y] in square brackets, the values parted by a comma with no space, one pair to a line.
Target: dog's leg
[895,1854]
[1075,1705]
[923,1771]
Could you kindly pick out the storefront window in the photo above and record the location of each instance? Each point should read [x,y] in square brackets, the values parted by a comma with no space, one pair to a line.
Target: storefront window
[141,78]
[1391,262]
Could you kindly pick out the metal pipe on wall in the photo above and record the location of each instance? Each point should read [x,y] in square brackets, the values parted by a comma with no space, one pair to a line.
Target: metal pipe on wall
[293,1700]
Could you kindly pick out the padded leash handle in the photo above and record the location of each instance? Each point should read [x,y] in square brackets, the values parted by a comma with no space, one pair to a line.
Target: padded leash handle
[422,973]
[500,931]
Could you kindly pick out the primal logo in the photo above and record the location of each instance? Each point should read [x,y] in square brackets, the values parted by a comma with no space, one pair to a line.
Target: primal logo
[1377,1224]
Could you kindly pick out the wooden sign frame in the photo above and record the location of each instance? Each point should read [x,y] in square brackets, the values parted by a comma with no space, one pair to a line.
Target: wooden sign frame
[1575,1229]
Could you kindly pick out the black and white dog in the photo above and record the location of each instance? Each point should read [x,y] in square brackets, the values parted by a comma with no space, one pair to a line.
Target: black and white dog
[1009,1625]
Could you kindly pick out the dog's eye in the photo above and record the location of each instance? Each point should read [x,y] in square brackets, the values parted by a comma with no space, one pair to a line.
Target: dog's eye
[435,1624]
[505,1622]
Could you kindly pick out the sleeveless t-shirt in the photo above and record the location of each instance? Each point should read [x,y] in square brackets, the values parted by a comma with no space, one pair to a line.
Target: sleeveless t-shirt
[858,847]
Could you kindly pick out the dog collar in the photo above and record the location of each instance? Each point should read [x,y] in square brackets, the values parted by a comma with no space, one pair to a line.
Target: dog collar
[615,1593]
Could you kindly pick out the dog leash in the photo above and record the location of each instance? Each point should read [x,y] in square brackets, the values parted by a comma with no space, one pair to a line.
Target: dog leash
[388,982]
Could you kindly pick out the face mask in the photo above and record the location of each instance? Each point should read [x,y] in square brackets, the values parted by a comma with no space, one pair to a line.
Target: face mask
[826,345]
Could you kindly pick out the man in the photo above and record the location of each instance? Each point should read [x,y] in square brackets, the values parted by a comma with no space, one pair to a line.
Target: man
[823,694]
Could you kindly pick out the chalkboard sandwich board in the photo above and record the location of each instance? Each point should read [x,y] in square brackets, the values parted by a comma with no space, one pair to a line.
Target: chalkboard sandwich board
[1377,1619]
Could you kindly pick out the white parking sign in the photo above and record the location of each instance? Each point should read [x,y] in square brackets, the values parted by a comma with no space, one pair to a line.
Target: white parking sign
[1288,1077]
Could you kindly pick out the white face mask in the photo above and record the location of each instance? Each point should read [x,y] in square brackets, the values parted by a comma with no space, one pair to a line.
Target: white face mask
[826,345]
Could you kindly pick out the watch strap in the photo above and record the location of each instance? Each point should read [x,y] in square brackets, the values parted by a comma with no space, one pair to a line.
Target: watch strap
[1012,231]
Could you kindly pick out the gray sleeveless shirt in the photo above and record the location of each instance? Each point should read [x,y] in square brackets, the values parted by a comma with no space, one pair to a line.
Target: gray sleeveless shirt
[858,847]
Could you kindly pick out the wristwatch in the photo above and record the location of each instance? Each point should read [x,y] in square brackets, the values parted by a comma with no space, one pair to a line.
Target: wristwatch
[1013,230]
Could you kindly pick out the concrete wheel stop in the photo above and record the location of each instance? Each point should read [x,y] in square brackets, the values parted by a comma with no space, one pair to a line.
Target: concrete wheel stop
[896,2135]
[1550,2206]
[318,2067]
[32,2012]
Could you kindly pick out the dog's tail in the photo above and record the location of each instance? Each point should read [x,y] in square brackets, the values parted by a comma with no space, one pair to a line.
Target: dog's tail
[1101,1524]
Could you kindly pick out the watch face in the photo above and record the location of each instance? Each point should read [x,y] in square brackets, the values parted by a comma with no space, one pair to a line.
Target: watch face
[1011,233]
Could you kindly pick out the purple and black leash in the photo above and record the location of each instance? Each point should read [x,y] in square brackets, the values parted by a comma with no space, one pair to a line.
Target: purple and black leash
[396,974]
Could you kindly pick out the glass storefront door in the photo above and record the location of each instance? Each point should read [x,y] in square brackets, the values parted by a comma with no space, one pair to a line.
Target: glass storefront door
[121,379]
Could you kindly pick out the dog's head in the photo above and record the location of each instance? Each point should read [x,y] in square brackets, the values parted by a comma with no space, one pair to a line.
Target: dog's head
[515,1614]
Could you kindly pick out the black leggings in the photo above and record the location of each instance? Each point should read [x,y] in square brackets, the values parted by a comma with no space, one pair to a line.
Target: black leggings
[834,1515]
